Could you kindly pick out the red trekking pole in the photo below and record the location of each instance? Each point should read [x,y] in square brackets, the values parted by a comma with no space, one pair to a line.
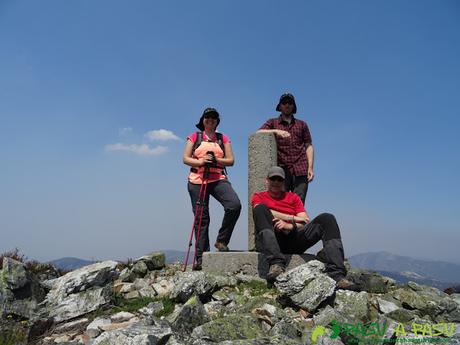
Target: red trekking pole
[198,215]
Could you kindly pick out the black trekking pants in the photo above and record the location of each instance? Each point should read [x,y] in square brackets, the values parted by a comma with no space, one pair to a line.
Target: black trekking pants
[223,192]
[274,243]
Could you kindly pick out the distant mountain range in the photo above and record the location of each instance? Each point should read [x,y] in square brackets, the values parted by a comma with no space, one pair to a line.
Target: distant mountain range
[401,268]
[69,263]
[439,274]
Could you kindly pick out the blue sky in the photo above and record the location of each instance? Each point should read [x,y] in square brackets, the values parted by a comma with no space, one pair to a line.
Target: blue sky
[377,81]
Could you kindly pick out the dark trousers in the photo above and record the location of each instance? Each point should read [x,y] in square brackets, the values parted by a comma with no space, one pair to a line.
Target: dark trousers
[296,184]
[273,243]
[223,192]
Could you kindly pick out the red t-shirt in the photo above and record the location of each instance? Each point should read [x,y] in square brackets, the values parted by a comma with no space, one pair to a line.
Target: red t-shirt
[289,203]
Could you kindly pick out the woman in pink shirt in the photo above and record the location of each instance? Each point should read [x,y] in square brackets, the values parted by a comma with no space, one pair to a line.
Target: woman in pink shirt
[211,151]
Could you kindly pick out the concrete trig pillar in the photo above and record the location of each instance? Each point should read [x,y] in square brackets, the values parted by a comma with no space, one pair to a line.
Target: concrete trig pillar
[261,156]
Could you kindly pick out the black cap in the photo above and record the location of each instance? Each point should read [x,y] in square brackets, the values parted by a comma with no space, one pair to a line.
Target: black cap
[207,111]
[287,96]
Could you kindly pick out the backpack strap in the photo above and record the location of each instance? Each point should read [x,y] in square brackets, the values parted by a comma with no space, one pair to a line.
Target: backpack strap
[220,141]
[199,139]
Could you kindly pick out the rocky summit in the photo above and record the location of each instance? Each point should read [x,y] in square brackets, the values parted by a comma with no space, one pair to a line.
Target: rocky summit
[145,302]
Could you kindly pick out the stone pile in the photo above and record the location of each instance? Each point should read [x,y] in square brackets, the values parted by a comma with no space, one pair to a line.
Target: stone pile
[147,303]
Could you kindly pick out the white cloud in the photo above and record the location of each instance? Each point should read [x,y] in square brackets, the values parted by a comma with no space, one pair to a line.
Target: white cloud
[125,131]
[142,150]
[161,134]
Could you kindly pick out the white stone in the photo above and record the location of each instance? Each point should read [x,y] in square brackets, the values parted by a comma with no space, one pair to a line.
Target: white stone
[121,316]
[386,306]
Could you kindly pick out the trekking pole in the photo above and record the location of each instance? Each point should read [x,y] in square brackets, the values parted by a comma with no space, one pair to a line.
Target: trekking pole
[203,205]
[199,206]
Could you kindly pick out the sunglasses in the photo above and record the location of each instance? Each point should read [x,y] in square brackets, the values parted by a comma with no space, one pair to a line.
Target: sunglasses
[211,116]
[276,178]
[287,102]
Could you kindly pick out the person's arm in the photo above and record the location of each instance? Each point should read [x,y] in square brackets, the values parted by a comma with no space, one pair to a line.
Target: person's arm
[310,160]
[191,161]
[300,218]
[277,132]
[228,160]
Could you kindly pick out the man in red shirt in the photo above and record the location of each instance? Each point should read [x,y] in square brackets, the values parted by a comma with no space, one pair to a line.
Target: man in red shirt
[294,146]
[283,226]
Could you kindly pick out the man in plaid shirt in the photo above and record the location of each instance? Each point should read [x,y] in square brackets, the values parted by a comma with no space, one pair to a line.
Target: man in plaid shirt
[295,149]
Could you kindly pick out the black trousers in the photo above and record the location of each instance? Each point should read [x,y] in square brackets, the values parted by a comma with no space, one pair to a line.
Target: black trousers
[296,184]
[274,243]
[223,192]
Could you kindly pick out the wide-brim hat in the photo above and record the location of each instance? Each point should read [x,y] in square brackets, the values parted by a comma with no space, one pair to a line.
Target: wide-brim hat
[207,111]
[287,96]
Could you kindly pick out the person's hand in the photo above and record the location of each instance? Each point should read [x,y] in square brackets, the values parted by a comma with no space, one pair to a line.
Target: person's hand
[282,134]
[310,174]
[281,225]
[207,159]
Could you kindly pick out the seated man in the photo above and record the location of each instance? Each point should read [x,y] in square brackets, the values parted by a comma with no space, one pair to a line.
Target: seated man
[283,226]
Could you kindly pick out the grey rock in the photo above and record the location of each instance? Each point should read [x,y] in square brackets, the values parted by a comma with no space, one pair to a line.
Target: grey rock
[326,315]
[370,281]
[140,269]
[353,305]
[141,333]
[153,261]
[78,304]
[20,291]
[163,287]
[95,275]
[232,327]
[305,286]
[402,315]
[286,328]
[187,284]
[190,315]
[74,325]
[14,274]
[386,306]
[425,300]
[127,276]
[151,309]
[121,316]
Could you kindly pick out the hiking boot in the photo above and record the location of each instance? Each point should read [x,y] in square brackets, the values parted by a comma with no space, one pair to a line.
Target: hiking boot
[345,284]
[197,266]
[275,271]
[221,247]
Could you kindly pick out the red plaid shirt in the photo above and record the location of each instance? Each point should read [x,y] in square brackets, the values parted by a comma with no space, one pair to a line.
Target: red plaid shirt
[291,151]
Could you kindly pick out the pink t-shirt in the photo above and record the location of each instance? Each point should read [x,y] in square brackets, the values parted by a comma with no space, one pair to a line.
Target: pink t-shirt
[215,173]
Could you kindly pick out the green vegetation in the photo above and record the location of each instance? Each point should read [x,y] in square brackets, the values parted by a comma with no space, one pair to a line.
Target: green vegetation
[13,334]
[257,288]
[131,305]
[168,307]
[33,266]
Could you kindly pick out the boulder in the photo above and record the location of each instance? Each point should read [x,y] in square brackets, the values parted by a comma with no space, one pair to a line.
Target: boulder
[81,291]
[153,261]
[354,306]
[189,316]
[20,291]
[187,284]
[145,332]
[370,281]
[306,286]
[78,304]
[232,327]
